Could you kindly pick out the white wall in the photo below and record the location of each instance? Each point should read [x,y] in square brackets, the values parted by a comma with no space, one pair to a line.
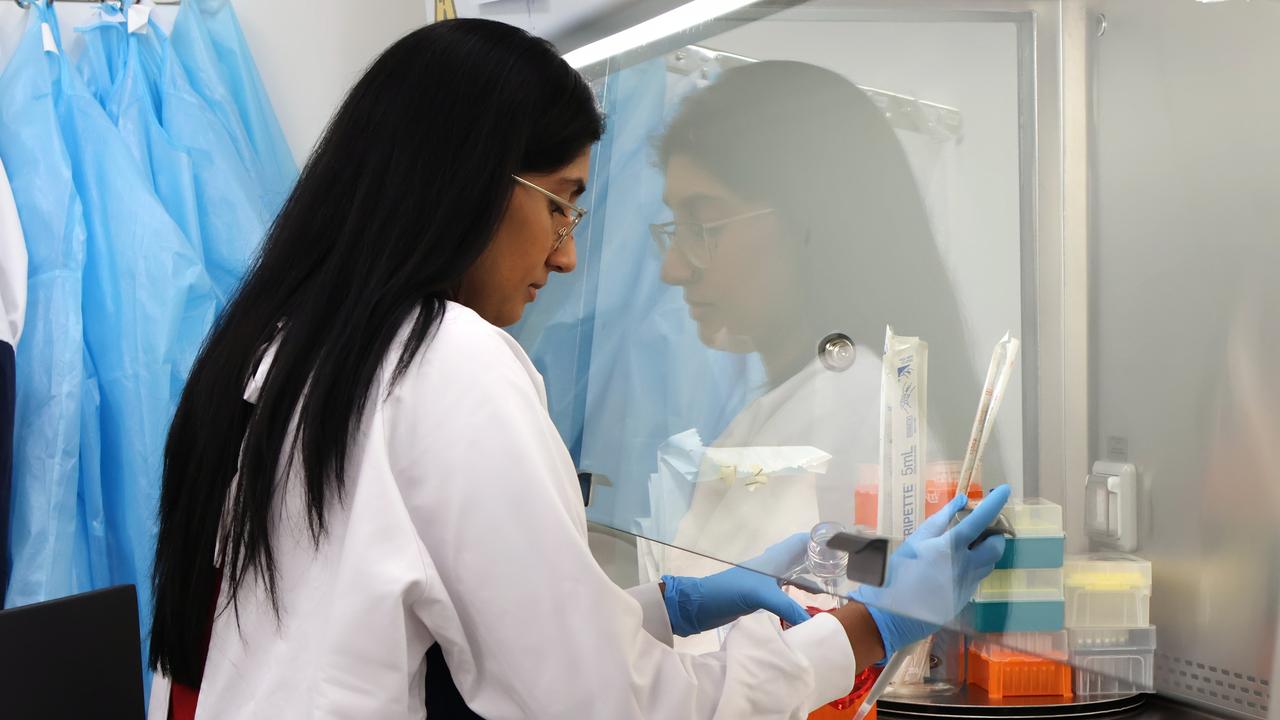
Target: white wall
[309,52]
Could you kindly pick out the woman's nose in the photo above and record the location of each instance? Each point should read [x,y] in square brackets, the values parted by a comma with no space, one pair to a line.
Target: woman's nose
[564,258]
[676,268]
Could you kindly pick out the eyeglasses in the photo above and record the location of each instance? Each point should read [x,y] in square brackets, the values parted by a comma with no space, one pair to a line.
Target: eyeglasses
[694,239]
[573,212]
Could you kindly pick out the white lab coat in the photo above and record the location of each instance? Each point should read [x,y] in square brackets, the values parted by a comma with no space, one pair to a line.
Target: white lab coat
[463,525]
[13,267]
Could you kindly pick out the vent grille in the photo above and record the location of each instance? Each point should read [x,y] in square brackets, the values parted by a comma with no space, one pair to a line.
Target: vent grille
[1241,693]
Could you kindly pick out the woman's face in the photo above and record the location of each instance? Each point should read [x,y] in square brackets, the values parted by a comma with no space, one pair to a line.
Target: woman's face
[520,258]
[749,285]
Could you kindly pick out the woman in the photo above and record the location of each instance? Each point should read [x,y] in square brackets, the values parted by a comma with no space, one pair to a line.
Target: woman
[362,481]
[796,217]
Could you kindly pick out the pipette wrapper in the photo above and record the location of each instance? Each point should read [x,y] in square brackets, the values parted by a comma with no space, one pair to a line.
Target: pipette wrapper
[998,375]
[903,434]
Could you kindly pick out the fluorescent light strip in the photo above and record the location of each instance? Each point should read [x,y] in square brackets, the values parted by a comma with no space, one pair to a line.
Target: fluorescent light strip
[656,28]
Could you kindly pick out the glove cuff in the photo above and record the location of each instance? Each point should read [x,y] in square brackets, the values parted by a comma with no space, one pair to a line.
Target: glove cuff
[682,595]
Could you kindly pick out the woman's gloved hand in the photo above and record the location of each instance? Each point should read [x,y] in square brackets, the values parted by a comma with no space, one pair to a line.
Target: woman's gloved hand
[699,604]
[934,573]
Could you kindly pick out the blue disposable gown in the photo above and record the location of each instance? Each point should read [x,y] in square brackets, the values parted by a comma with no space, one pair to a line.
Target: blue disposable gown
[139,279]
[195,166]
[56,408]
[208,43]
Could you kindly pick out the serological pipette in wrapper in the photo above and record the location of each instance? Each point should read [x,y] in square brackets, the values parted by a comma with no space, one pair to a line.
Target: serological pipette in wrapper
[903,449]
[998,375]
[903,434]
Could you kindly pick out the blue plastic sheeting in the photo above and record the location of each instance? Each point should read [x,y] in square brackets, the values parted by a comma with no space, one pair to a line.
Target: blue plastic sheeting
[195,167]
[141,279]
[208,43]
[624,366]
[56,406]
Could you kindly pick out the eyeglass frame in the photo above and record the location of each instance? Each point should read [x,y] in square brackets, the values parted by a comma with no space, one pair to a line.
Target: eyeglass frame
[575,213]
[663,234]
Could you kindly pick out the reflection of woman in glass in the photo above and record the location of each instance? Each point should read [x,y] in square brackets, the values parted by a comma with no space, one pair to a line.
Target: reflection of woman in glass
[796,216]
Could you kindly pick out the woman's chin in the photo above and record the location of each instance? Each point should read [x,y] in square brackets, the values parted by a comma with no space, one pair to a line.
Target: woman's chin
[719,337]
[508,316]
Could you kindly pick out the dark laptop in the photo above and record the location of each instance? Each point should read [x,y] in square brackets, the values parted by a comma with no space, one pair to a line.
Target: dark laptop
[74,657]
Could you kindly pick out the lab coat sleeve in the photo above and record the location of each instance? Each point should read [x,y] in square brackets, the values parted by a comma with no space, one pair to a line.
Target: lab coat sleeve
[653,610]
[529,624]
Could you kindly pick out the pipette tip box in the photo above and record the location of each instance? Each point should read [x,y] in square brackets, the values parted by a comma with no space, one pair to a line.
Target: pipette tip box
[1036,584]
[1032,552]
[1006,646]
[1015,675]
[1112,661]
[1018,616]
[1107,590]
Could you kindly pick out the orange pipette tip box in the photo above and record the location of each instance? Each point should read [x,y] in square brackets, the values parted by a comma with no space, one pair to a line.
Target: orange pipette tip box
[1019,675]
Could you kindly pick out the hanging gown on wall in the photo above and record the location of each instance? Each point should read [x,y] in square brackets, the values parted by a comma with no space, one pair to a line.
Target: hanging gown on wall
[144,288]
[194,166]
[55,411]
[139,279]
[208,43]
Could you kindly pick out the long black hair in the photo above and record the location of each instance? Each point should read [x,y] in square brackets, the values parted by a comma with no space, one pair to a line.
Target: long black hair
[400,197]
[813,146]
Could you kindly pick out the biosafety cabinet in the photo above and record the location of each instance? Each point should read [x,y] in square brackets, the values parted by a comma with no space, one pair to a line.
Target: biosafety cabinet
[1100,179]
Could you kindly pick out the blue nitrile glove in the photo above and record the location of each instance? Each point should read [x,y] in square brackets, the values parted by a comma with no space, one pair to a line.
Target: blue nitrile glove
[699,604]
[934,574]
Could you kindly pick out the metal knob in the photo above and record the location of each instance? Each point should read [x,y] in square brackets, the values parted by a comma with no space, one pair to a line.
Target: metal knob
[837,352]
